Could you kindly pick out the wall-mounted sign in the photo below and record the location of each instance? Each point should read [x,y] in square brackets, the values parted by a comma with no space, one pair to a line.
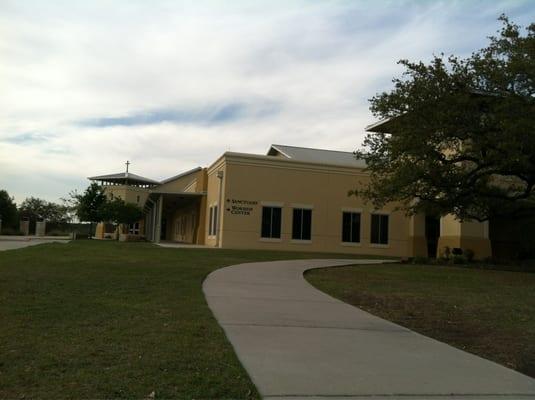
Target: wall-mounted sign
[241,207]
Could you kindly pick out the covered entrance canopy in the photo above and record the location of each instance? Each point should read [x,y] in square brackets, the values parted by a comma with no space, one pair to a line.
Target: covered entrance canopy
[175,216]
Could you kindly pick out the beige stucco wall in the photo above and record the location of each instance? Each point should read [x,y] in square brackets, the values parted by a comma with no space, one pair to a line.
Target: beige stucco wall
[213,184]
[194,182]
[292,184]
[278,181]
[471,235]
[130,194]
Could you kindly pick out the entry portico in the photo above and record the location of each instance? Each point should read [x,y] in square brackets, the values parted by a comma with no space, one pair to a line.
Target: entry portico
[174,216]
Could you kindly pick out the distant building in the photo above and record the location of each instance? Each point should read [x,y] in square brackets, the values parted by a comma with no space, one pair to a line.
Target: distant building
[292,198]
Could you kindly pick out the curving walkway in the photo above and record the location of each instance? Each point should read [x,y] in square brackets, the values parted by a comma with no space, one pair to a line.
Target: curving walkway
[299,343]
[7,244]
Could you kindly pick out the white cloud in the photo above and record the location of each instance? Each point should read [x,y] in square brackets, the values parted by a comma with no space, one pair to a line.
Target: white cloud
[317,63]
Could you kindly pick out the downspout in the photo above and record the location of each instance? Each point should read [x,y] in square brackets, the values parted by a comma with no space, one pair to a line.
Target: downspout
[220,209]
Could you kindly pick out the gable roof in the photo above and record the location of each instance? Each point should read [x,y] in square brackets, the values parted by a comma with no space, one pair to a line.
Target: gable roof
[319,156]
[125,176]
[182,174]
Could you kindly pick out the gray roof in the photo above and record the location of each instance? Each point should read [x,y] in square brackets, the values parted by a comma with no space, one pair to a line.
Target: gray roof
[124,176]
[319,156]
[191,171]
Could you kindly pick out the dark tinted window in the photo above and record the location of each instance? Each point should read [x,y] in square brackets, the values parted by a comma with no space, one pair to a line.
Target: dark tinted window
[211,221]
[271,222]
[302,224]
[351,227]
[379,229]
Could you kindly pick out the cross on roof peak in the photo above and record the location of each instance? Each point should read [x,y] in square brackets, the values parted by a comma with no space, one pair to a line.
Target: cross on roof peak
[127,165]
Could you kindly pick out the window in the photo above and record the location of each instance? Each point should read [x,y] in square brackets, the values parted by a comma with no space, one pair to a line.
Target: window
[212,227]
[137,199]
[302,224]
[133,229]
[350,227]
[210,219]
[271,222]
[379,233]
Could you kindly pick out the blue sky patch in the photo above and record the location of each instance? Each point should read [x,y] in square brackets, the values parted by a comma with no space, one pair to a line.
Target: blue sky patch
[211,115]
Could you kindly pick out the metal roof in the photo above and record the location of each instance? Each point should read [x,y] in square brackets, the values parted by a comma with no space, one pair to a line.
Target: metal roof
[124,176]
[318,156]
[191,171]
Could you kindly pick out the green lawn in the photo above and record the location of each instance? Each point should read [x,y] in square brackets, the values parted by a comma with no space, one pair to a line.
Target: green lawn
[95,319]
[485,312]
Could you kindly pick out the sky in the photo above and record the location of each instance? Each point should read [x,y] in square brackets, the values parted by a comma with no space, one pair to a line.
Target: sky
[171,85]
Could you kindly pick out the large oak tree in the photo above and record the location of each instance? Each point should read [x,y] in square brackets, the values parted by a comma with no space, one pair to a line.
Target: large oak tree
[458,135]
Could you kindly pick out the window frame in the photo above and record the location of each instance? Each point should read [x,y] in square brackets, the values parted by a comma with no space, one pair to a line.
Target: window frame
[302,210]
[381,216]
[352,212]
[212,220]
[272,215]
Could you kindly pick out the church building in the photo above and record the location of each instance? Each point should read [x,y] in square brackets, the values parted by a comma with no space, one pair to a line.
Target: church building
[292,198]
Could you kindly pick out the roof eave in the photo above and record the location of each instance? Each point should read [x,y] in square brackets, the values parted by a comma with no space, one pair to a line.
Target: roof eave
[377,126]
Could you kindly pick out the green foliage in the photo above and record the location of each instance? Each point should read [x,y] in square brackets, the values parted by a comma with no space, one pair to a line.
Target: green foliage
[460,135]
[89,206]
[8,211]
[469,254]
[37,209]
[121,212]
[459,259]
[446,253]
[94,206]
[420,260]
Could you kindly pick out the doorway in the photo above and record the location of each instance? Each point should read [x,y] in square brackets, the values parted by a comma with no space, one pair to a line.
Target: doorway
[163,232]
[432,234]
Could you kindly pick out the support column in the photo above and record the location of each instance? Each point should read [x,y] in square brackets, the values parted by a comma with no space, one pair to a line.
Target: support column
[158,224]
[148,221]
[417,239]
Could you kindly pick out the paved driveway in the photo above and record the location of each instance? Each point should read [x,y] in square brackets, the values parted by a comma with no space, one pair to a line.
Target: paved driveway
[297,342]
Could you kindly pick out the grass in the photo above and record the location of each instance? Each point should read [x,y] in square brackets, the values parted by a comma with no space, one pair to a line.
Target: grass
[95,319]
[485,312]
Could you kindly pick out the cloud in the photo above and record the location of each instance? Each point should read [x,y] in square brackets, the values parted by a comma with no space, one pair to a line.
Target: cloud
[210,115]
[26,138]
[171,85]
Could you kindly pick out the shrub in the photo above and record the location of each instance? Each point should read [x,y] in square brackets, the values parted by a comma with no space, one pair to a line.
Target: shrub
[469,254]
[446,253]
[459,259]
[12,232]
[457,251]
[489,260]
[420,260]
[58,233]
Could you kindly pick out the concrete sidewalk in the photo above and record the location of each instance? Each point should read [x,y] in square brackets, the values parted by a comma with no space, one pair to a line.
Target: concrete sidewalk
[6,244]
[297,342]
